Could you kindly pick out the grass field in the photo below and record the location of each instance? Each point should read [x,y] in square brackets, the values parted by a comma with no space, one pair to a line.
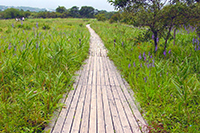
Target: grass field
[166,84]
[37,61]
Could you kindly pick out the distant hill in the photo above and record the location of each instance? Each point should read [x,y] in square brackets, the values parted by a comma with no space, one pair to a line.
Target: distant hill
[32,9]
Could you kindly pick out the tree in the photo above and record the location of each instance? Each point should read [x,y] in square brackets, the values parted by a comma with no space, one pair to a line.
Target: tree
[87,12]
[74,11]
[61,9]
[12,13]
[100,17]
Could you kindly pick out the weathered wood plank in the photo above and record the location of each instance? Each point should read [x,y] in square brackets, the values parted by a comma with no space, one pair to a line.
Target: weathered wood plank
[94,76]
[98,71]
[93,111]
[70,116]
[79,110]
[100,111]
[102,73]
[91,71]
[122,114]
[107,81]
[132,121]
[86,112]
[108,118]
[140,120]
[115,116]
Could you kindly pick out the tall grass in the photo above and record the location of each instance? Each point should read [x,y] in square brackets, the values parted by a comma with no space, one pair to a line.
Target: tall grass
[167,84]
[37,61]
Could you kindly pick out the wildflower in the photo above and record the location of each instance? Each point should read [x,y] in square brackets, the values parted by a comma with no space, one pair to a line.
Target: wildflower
[140,57]
[153,36]
[122,44]
[134,64]
[37,25]
[149,54]
[9,47]
[164,53]
[157,39]
[144,58]
[169,51]
[141,65]
[21,23]
[129,65]
[153,61]
[193,40]
[12,25]
[35,92]
[156,48]
[145,79]
[144,54]
[197,41]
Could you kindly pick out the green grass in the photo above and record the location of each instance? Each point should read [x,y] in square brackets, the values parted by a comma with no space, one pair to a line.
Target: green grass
[167,87]
[37,61]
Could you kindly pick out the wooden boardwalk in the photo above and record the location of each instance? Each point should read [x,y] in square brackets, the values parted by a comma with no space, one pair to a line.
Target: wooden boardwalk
[100,102]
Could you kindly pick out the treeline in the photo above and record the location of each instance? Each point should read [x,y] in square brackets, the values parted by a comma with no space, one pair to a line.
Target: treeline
[61,12]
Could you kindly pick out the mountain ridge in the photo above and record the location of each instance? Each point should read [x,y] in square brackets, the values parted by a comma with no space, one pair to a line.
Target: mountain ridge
[25,8]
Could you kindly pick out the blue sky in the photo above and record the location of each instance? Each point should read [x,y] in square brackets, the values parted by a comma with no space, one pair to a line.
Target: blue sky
[53,4]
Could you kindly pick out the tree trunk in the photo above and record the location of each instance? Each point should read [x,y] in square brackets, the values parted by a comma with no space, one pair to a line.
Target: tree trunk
[174,36]
[155,41]
[167,37]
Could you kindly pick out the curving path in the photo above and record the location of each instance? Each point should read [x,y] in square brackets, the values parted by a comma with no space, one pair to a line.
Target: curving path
[100,101]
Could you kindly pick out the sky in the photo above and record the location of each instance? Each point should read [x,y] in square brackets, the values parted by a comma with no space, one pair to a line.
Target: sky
[53,4]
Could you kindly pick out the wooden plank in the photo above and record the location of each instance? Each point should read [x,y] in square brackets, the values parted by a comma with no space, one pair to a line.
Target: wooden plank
[79,110]
[122,114]
[100,110]
[60,121]
[91,71]
[70,116]
[108,118]
[85,79]
[129,115]
[63,113]
[102,73]
[83,75]
[107,81]
[117,100]
[109,72]
[94,79]
[98,71]
[115,116]
[93,111]
[140,120]
[132,121]
[86,112]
